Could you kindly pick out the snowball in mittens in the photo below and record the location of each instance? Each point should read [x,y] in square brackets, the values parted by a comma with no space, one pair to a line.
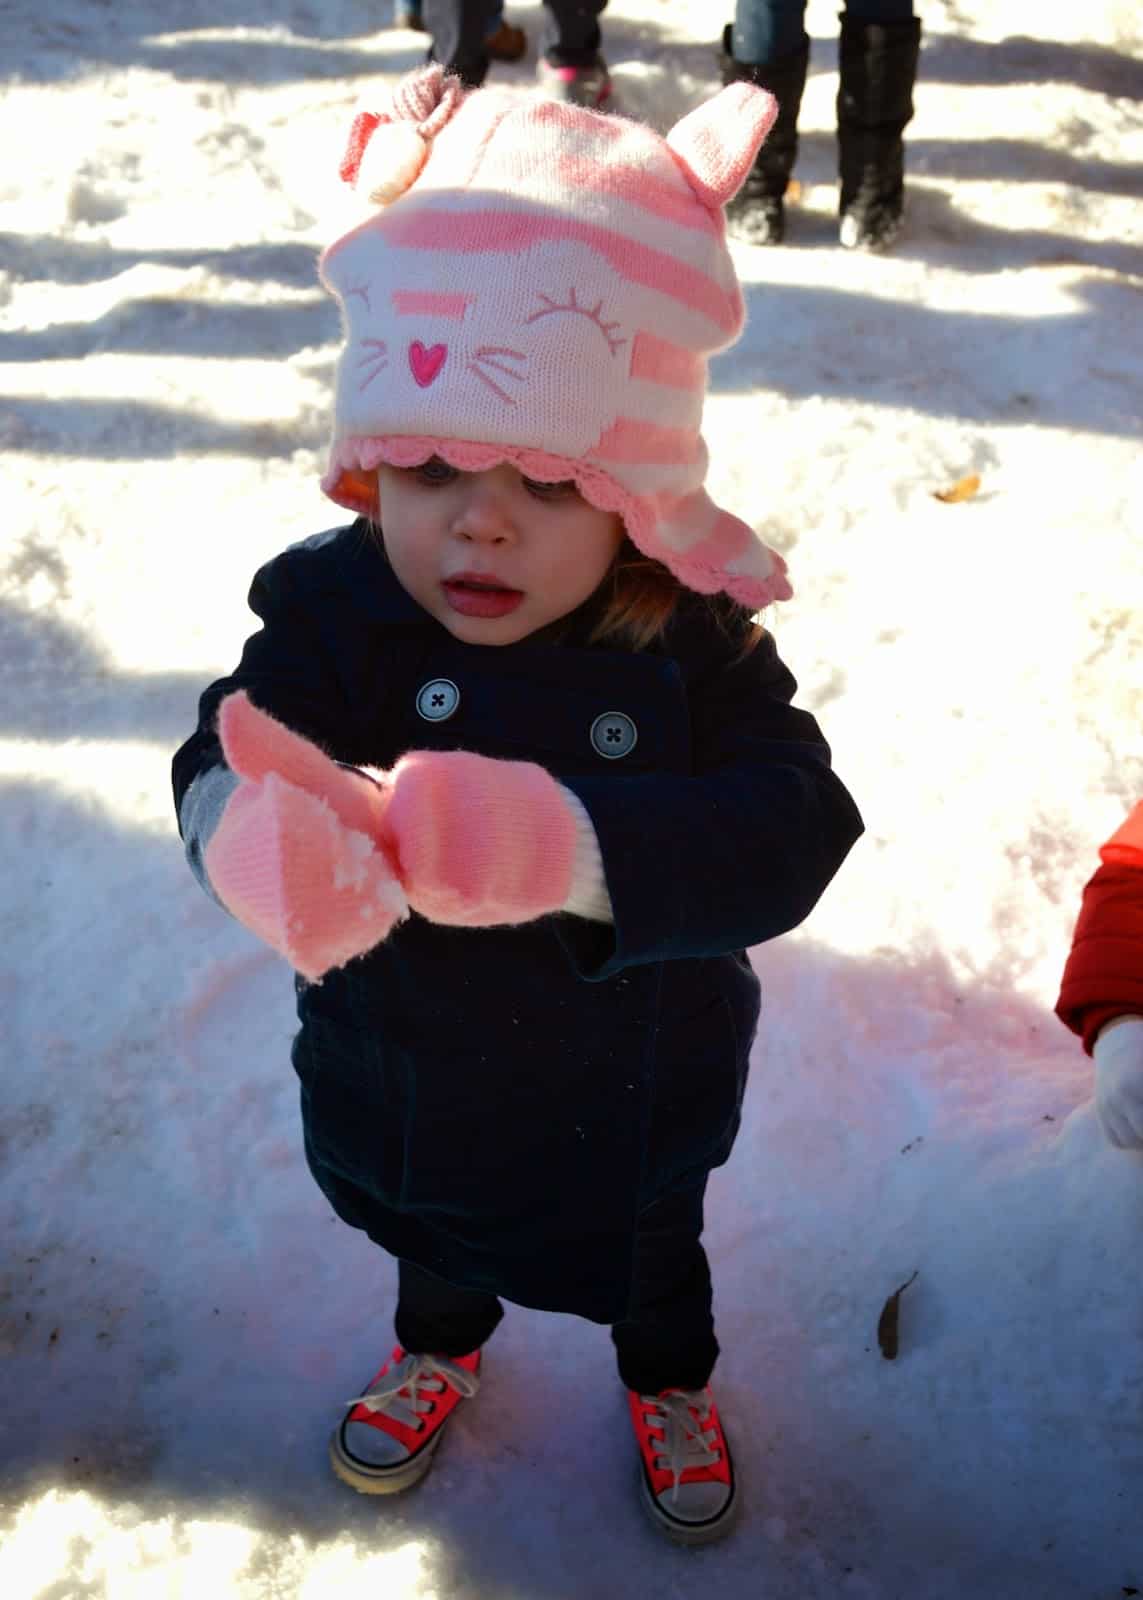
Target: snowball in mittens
[288,868]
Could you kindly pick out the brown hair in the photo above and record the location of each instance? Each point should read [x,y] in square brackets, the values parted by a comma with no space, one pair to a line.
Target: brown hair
[634,605]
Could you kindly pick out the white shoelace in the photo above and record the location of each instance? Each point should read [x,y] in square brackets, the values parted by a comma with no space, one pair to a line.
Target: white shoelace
[684,1444]
[401,1392]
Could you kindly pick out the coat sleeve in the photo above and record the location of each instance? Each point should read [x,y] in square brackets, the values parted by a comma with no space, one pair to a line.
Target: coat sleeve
[1103,975]
[287,670]
[734,853]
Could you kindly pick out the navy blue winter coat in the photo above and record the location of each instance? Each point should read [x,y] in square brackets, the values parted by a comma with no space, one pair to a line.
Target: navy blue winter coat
[499,1104]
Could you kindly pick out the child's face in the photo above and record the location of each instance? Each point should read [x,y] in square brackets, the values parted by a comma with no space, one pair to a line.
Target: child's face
[493,555]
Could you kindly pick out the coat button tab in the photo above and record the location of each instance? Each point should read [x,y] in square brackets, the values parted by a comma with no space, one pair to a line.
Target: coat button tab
[613,735]
[438,700]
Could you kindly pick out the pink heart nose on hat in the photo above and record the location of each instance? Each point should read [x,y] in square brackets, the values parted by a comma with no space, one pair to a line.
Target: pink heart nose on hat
[426,364]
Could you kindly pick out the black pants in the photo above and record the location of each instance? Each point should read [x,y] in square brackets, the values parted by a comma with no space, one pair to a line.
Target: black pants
[459,28]
[667,1340]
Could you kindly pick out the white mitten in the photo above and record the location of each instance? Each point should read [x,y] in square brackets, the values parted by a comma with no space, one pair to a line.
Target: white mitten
[1118,1056]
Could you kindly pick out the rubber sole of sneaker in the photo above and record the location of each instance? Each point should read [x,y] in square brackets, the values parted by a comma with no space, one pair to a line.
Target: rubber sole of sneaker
[550,84]
[690,1533]
[381,1480]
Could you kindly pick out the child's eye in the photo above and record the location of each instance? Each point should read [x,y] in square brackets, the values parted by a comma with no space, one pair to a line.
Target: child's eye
[564,490]
[435,472]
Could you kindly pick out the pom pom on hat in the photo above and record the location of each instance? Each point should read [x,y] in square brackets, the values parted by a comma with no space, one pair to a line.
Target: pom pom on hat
[387,149]
[391,162]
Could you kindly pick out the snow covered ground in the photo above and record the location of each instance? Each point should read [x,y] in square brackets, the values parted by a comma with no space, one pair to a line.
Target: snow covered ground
[180,1315]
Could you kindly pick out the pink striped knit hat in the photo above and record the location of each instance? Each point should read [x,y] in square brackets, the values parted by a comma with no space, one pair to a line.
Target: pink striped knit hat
[541,284]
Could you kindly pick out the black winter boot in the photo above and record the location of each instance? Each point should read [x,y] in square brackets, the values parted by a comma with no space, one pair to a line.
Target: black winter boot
[756,214]
[878,62]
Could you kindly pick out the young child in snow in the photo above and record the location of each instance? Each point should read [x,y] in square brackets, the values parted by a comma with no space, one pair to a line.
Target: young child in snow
[509,774]
[1101,996]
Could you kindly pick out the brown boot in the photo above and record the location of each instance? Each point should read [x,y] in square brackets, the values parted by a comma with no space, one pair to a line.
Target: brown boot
[506,44]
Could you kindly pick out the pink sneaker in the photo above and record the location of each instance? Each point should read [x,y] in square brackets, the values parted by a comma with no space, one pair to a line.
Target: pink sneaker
[686,1474]
[391,1433]
[578,86]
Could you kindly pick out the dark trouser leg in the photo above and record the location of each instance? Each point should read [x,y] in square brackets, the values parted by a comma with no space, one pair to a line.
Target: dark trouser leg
[879,10]
[878,67]
[667,1339]
[775,29]
[571,35]
[439,1318]
[459,29]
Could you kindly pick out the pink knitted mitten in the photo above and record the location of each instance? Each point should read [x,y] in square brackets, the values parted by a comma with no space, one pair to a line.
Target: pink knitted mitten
[479,842]
[256,744]
[289,868]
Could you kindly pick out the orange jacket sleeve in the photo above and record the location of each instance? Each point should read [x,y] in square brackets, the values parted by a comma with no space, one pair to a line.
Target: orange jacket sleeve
[1103,976]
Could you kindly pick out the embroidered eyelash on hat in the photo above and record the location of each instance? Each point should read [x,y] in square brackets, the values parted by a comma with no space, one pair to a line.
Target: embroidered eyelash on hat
[541,284]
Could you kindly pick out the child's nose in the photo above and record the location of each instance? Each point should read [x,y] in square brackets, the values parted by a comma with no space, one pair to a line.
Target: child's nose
[486,516]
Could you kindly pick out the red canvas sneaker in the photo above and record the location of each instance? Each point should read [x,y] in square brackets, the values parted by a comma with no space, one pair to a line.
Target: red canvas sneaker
[390,1433]
[686,1474]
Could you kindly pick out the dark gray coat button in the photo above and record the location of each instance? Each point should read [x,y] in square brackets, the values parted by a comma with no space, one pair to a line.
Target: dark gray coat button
[613,735]
[437,701]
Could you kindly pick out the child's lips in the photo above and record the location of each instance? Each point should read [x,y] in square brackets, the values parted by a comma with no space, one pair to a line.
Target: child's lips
[477,594]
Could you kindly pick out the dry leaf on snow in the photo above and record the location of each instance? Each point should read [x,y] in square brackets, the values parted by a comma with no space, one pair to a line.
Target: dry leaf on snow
[887,1322]
[963,489]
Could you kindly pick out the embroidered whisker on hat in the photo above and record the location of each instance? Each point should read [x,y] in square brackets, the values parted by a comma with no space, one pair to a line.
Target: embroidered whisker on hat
[543,285]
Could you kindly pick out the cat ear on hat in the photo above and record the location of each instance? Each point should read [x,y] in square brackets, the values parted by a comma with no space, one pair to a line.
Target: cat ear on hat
[387,149]
[716,143]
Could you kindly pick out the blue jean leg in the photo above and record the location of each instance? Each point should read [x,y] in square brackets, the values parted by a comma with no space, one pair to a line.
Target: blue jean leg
[765,31]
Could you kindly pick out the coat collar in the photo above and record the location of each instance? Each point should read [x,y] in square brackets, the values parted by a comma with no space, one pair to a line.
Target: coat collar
[358,563]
